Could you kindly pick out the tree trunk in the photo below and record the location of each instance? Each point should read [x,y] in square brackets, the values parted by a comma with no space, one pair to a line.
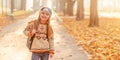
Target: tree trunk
[80,10]
[2,6]
[54,4]
[6,7]
[12,5]
[62,6]
[23,4]
[70,5]
[36,5]
[94,21]
[58,5]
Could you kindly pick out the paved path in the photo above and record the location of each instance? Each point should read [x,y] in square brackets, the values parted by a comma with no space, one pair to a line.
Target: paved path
[12,42]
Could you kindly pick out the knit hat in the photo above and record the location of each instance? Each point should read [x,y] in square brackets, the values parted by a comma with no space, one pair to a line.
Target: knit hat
[47,9]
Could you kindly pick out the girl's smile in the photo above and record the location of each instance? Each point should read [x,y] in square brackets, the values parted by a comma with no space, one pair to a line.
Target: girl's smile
[44,16]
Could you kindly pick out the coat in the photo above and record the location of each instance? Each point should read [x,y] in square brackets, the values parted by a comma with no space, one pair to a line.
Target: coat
[33,25]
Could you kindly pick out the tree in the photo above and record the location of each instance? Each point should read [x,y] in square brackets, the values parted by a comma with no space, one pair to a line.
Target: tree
[2,7]
[59,6]
[63,6]
[6,6]
[70,5]
[12,5]
[23,4]
[36,5]
[54,4]
[80,10]
[94,21]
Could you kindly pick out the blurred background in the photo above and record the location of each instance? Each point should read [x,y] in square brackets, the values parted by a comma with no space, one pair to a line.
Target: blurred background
[95,23]
[8,7]
[13,9]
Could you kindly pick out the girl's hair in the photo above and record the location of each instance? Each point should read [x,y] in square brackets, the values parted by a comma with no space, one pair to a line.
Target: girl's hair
[49,28]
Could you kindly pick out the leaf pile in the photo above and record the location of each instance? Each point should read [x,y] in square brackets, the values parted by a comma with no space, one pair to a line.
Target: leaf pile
[102,43]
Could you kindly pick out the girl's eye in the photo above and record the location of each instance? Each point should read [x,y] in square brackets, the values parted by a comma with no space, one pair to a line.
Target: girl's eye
[47,14]
[43,13]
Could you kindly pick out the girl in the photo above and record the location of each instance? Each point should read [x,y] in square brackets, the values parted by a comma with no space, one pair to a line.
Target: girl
[42,45]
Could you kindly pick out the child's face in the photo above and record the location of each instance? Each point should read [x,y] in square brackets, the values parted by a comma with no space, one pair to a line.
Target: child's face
[44,15]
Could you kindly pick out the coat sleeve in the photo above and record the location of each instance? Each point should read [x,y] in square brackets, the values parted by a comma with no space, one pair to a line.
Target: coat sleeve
[51,39]
[51,42]
[27,30]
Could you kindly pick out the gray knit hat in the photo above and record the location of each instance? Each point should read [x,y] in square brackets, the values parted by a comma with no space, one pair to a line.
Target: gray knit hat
[49,10]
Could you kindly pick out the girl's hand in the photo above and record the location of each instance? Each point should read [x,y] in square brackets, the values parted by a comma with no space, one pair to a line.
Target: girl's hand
[33,31]
[51,53]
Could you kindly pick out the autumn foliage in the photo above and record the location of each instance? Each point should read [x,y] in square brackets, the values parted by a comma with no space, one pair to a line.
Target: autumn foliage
[102,43]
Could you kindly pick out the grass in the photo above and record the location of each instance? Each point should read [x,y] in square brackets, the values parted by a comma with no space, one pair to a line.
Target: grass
[21,12]
[4,20]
